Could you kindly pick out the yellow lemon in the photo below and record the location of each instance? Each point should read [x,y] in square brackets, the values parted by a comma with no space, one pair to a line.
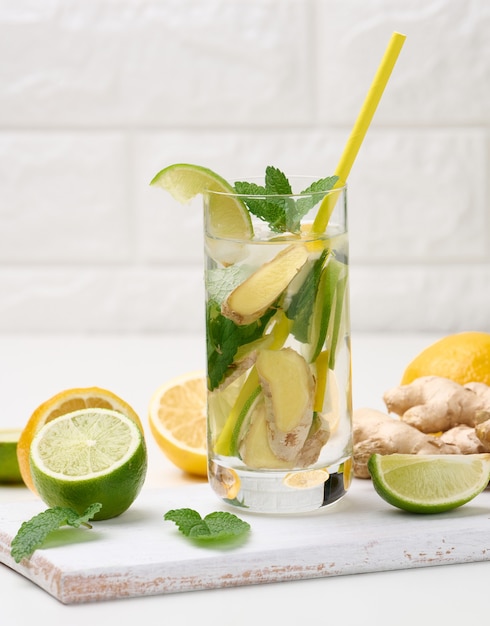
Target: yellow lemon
[177,418]
[463,357]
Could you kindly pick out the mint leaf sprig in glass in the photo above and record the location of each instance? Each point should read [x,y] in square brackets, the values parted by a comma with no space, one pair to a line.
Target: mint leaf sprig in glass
[275,204]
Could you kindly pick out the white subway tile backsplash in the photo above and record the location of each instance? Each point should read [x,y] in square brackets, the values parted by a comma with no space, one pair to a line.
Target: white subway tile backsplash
[442,75]
[419,196]
[128,299]
[63,198]
[96,97]
[442,299]
[157,63]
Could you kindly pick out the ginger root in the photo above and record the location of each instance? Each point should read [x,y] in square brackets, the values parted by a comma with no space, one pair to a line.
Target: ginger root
[433,404]
[431,415]
[375,432]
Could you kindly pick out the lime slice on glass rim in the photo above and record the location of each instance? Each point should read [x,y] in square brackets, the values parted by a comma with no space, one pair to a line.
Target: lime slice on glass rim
[230,218]
[430,483]
[88,456]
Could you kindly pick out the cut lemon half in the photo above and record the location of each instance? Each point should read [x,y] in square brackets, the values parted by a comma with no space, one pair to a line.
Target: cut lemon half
[9,465]
[62,403]
[177,418]
[429,483]
[230,218]
[88,456]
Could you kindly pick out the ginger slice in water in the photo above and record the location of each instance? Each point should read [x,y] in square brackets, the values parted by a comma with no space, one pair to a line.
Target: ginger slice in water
[255,450]
[289,390]
[317,437]
[251,299]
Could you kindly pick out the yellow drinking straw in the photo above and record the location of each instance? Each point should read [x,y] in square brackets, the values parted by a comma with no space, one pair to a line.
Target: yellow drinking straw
[360,127]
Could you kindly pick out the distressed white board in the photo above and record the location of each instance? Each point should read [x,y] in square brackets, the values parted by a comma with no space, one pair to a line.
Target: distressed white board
[140,554]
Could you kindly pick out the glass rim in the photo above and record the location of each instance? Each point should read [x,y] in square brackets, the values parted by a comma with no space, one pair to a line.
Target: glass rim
[295,194]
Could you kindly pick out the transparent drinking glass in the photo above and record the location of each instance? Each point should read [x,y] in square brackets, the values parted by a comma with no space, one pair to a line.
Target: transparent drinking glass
[279,403]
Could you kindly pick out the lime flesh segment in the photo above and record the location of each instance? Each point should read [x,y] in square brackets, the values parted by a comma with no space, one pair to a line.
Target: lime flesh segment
[9,465]
[88,456]
[229,216]
[429,483]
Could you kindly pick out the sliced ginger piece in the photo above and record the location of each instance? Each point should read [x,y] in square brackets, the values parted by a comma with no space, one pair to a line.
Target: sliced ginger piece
[255,449]
[317,437]
[251,299]
[289,391]
[256,452]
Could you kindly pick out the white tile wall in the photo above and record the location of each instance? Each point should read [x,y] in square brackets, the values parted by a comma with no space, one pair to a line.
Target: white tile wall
[97,95]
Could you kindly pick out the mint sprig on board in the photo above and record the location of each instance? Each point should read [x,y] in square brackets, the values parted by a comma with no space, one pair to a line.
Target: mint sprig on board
[281,213]
[32,533]
[216,527]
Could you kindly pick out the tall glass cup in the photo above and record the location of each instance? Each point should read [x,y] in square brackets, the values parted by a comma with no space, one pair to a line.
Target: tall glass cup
[279,403]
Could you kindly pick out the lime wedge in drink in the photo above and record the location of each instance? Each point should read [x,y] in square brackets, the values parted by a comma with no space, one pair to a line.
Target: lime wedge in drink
[229,216]
[429,483]
[87,456]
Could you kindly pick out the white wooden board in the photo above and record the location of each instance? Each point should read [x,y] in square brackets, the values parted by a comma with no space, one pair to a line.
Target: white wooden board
[139,554]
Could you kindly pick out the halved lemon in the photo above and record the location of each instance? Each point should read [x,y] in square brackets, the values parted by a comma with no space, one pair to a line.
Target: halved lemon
[177,418]
[64,402]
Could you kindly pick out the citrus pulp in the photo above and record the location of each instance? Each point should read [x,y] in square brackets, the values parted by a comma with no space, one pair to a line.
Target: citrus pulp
[88,456]
[62,403]
[177,418]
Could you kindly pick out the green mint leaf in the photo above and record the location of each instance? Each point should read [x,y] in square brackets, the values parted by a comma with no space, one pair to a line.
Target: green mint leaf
[324,184]
[222,343]
[249,189]
[31,534]
[301,306]
[276,181]
[282,214]
[221,281]
[273,209]
[225,525]
[224,337]
[270,210]
[304,205]
[217,526]
[186,520]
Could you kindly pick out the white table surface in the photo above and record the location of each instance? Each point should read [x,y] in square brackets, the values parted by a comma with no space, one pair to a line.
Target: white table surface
[33,368]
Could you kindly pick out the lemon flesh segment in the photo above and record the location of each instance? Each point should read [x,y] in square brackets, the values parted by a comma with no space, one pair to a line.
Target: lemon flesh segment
[429,483]
[88,456]
[177,419]
[229,217]
[9,464]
